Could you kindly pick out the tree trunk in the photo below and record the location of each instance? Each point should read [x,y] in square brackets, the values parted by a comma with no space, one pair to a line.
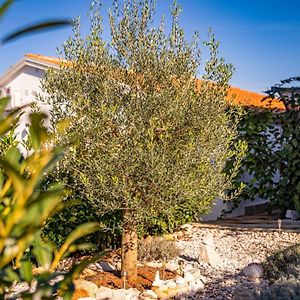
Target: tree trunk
[129,247]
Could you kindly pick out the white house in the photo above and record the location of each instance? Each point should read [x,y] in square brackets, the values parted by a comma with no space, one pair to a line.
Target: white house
[22,83]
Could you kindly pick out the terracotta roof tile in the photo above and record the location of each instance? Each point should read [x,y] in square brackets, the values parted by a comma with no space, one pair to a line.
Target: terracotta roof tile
[239,96]
[251,99]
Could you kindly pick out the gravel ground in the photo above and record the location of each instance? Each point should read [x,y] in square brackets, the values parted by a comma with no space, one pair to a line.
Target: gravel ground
[237,249]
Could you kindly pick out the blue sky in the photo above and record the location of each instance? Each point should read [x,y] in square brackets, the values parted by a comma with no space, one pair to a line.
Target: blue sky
[260,38]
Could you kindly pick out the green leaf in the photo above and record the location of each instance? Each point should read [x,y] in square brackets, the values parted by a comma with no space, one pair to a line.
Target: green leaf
[7,123]
[13,157]
[80,231]
[294,143]
[9,275]
[52,24]
[4,7]
[66,286]
[26,271]
[39,210]
[43,252]
[38,132]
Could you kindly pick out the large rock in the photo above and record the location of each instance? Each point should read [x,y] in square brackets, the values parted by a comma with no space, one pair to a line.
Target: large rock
[104,293]
[207,253]
[253,271]
[292,214]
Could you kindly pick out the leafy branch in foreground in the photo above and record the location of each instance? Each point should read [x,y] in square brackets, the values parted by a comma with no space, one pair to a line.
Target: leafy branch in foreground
[29,29]
[24,209]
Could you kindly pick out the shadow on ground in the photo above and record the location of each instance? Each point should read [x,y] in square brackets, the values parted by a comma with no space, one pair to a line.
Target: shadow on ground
[281,281]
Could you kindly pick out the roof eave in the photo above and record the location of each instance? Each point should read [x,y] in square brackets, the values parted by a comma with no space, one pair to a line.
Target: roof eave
[22,63]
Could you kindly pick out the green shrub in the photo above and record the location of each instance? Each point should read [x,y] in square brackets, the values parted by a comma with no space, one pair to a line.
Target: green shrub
[157,249]
[283,264]
[282,269]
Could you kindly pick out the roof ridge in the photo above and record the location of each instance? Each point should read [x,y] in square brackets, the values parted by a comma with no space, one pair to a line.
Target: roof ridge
[237,95]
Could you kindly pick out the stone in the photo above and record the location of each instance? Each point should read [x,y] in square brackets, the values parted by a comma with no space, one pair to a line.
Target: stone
[88,286]
[154,264]
[253,271]
[157,281]
[170,283]
[292,214]
[196,274]
[148,239]
[183,292]
[208,240]
[148,294]
[103,293]
[188,276]
[171,266]
[121,294]
[133,292]
[242,293]
[178,235]
[164,294]
[106,266]
[207,253]
[196,286]
[179,280]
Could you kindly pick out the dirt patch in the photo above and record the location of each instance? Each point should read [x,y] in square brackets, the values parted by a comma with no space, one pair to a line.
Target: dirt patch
[145,278]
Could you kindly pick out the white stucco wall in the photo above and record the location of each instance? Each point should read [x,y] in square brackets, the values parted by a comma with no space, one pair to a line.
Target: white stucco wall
[23,88]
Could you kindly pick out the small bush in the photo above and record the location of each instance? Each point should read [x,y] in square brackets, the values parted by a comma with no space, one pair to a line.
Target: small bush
[157,249]
[282,269]
[283,264]
[284,289]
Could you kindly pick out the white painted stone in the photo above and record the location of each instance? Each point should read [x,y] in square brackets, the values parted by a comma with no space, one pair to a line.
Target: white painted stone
[157,281]
[179,280]
[188,276]
[170,283]
[172,266]
[208,254]
[104,293]
[154,264]
[148,294]
[196,286]
[209,240]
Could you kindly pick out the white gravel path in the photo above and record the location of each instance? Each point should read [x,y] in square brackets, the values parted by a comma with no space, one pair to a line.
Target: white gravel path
[237,249]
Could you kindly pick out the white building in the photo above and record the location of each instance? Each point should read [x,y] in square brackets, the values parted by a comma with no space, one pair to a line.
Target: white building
[22,83]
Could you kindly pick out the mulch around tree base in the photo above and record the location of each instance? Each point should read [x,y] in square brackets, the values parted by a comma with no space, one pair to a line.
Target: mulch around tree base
[146,276]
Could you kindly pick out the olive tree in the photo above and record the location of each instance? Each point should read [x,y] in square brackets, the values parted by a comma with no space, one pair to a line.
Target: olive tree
[146,135]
